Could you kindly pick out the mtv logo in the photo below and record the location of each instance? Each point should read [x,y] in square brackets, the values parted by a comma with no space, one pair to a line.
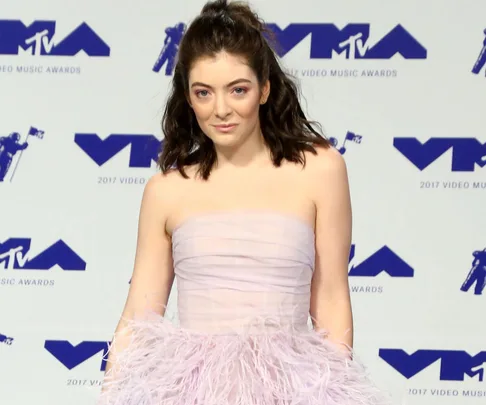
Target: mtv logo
[327,39]
[454,364]
[467,153]
[14,254]
[384,260]
[72,356]
[144,149]
[38,37]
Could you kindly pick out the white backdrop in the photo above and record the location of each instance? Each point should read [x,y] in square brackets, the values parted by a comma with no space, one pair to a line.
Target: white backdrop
[69,204]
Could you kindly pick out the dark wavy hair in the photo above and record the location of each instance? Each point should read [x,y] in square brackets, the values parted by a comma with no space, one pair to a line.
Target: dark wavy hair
[236,29]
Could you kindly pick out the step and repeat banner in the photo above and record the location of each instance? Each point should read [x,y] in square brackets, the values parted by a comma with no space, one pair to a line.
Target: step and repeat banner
[399,87]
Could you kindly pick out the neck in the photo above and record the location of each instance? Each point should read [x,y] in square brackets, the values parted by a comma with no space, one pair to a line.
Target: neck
[252,152]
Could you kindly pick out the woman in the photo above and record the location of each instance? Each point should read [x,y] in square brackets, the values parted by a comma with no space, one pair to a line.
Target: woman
[252,214]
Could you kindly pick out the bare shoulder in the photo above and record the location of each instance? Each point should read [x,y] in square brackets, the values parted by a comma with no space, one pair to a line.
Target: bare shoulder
[158,186]
[162,191]
[326,163]
[327,179]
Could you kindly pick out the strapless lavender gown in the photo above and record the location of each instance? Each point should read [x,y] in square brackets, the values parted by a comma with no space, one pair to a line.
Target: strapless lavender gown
[243,337]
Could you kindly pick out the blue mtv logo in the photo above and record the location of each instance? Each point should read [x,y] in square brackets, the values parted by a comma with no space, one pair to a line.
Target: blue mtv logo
[353,40]
[144,149]
[38,37]
[72,356]
[384,260]
[481,60]
[454,364]
[10,146]
[477,273]
[350,137]
[6,339]
[14,254]
[168,53]
[467,153]
[325,40]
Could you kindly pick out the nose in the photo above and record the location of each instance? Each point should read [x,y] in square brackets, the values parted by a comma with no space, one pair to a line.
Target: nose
[222,109]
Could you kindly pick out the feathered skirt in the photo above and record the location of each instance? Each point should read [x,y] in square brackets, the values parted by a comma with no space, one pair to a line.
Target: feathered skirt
[167,365]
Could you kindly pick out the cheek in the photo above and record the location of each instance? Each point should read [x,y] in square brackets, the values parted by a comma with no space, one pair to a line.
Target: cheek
[202,111]
[248,108]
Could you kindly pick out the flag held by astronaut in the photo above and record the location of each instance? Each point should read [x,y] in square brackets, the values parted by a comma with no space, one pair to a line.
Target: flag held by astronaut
[38,133]
[351,136]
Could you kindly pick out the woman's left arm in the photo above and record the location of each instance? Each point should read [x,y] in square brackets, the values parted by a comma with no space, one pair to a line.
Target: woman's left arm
[330,305]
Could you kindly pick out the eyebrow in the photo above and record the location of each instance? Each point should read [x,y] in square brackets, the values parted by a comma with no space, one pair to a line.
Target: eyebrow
[228,85]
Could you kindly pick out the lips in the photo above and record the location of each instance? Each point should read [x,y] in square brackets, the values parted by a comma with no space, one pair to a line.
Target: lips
[225,127]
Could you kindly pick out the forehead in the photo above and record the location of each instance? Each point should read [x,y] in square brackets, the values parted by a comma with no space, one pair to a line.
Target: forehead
[220,70]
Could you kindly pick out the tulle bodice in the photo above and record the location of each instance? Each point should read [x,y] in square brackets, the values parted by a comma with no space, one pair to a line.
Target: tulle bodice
[235,268]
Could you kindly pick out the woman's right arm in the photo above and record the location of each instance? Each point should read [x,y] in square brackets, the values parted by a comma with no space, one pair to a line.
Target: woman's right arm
[153,274]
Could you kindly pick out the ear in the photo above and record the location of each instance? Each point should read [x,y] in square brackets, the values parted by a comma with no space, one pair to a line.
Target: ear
[265,92]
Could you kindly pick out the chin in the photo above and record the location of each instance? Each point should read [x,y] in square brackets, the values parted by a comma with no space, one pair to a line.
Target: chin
[225,139]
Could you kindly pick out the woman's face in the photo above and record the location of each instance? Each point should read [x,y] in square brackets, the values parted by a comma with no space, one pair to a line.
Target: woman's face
[225,95]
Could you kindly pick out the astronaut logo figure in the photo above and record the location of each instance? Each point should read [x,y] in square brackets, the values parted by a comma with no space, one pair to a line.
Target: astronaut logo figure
[477,274]
[350,136]
[481,61]
[10,145]
[171,46]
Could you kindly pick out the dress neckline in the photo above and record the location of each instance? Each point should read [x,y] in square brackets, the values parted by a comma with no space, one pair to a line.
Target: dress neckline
[244,213]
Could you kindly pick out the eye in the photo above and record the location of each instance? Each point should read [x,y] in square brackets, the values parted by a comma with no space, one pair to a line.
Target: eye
[202,93]
[240,90]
